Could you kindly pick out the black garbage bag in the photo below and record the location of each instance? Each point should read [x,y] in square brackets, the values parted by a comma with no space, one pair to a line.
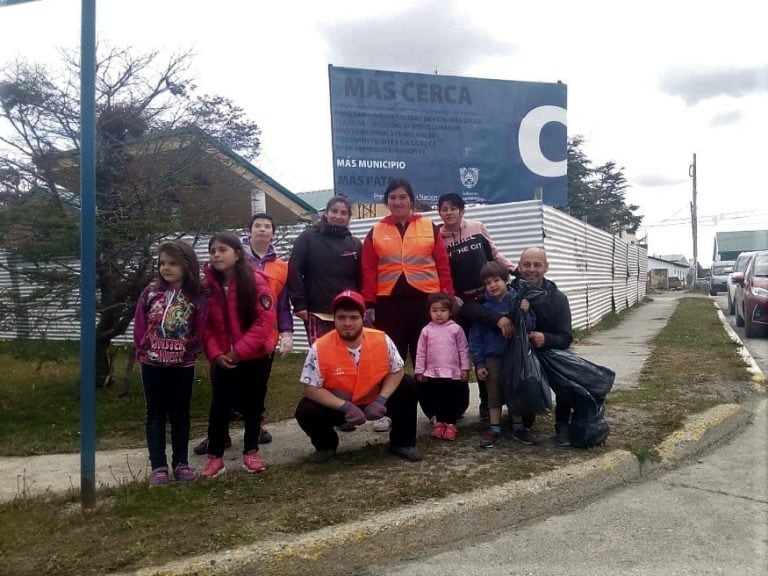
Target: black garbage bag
[588,426]
[584,385]
[522,382]
[575,376]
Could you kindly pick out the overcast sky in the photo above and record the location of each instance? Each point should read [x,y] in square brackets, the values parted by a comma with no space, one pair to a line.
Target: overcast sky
[649,83]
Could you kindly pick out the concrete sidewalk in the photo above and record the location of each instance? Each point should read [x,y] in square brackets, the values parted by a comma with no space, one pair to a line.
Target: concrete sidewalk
[623,349]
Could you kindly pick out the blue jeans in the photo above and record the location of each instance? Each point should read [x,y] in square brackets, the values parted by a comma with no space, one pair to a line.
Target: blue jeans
[168,393]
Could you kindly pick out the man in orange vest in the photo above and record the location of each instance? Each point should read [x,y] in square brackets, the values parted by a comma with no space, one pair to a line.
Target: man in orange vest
[354,374]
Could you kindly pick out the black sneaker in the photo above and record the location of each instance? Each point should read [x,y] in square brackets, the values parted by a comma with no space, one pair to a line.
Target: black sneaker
[202,447]
[524,436]
[321,456]
[410,453]
[265,436]
[562,435]
[490,438]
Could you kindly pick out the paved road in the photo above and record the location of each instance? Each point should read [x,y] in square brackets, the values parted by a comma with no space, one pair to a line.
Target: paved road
[710,517]
[758,347]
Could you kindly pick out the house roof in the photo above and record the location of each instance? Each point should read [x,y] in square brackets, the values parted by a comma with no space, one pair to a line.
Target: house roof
[317,198]
[741,240]
[667,261]
[678,258]
[180,137]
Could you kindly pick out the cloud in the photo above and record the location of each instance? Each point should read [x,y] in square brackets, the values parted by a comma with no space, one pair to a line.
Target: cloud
[693,86]
[726,118]
[657,180]
[428,37]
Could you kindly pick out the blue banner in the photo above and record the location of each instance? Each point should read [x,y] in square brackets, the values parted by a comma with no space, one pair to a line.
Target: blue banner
[492,141]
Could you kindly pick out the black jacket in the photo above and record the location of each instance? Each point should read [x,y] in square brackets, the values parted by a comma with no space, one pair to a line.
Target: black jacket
[553,315]
[322,264]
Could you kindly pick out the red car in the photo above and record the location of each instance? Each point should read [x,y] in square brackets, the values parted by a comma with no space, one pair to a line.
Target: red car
[752,298]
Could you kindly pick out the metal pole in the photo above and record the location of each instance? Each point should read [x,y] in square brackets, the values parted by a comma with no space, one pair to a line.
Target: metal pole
[694,221]
[88,255]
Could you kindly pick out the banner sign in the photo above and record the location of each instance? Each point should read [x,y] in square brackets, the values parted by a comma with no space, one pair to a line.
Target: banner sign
[492,141]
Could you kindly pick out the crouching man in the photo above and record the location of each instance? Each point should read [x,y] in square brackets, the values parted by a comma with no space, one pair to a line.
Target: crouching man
[353,374]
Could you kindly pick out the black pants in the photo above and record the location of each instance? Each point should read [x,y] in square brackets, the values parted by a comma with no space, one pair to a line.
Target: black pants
[563,410]
[402,319]
[443,398]
[468,315]
[168,393]
[243,387]
[318,421]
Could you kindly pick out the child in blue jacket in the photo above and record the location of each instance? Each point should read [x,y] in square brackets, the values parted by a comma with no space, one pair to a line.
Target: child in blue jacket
[486,345]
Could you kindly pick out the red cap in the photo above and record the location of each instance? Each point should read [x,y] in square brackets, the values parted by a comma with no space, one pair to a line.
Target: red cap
[349,296]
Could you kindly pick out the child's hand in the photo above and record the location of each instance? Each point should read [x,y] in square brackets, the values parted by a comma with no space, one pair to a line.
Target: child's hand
[505,325]
[225,362]
[464,375]
[524,305]
[419,377]
[482,373]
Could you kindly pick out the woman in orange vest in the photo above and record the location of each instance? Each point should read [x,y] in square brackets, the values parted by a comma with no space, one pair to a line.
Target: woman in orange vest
[353,374]
[404,260]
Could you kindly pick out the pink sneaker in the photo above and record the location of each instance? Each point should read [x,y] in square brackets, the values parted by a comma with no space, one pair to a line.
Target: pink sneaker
[438,429]
[252,462]
[449,432]
[213,467]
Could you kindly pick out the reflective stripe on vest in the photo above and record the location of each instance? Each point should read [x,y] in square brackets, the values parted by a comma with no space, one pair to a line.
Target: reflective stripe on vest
[410,254]
[338,370]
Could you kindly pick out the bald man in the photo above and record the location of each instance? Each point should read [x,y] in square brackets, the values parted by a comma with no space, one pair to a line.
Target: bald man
[553,324]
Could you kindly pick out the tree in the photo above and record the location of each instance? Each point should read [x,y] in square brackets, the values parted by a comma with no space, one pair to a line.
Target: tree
[597,195]
[154,177]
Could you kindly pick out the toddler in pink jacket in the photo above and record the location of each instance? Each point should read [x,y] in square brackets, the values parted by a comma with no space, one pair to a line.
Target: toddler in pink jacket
[442,367]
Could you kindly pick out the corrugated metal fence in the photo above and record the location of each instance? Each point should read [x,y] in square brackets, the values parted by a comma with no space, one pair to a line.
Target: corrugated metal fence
[598,272]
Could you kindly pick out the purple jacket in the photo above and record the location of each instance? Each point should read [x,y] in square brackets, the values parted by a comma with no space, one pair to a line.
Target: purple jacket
[442,351]
[167,326]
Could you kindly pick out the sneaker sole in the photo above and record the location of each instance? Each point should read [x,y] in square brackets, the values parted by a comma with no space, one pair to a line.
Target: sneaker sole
[523,442]
[251,471]
[219,473]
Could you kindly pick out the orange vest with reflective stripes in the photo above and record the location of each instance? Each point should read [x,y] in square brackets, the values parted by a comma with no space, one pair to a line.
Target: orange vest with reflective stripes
[277,274]
[410,254]
[338,370]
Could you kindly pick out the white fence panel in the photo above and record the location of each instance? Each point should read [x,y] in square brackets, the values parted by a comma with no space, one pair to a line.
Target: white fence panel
[597,272]
[620,274]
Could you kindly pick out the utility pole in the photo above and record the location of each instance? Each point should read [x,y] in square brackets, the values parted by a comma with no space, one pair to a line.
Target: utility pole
[694,220]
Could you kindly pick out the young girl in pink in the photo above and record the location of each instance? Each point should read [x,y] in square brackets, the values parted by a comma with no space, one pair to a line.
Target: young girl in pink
[238,343]
[167,336]
[442,367]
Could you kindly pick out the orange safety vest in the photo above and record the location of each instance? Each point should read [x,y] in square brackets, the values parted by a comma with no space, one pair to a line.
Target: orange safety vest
[410,254]
[277,274]
[339,372]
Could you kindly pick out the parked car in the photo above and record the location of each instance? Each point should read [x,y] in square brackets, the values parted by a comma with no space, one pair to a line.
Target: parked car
[720,276]
[739,265]
[752,299]
[674,283]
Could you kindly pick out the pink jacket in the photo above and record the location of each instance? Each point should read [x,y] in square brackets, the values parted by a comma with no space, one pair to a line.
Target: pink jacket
[442,351]
[222,327]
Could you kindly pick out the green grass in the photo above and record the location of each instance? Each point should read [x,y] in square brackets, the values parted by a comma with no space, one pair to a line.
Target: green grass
[691,367]
[692,363]
[40,399]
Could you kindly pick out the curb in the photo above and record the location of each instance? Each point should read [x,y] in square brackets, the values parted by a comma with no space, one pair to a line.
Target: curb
[757,376]
[408,532]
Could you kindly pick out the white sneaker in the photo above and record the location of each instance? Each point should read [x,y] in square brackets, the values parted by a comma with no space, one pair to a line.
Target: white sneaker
[382,424]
